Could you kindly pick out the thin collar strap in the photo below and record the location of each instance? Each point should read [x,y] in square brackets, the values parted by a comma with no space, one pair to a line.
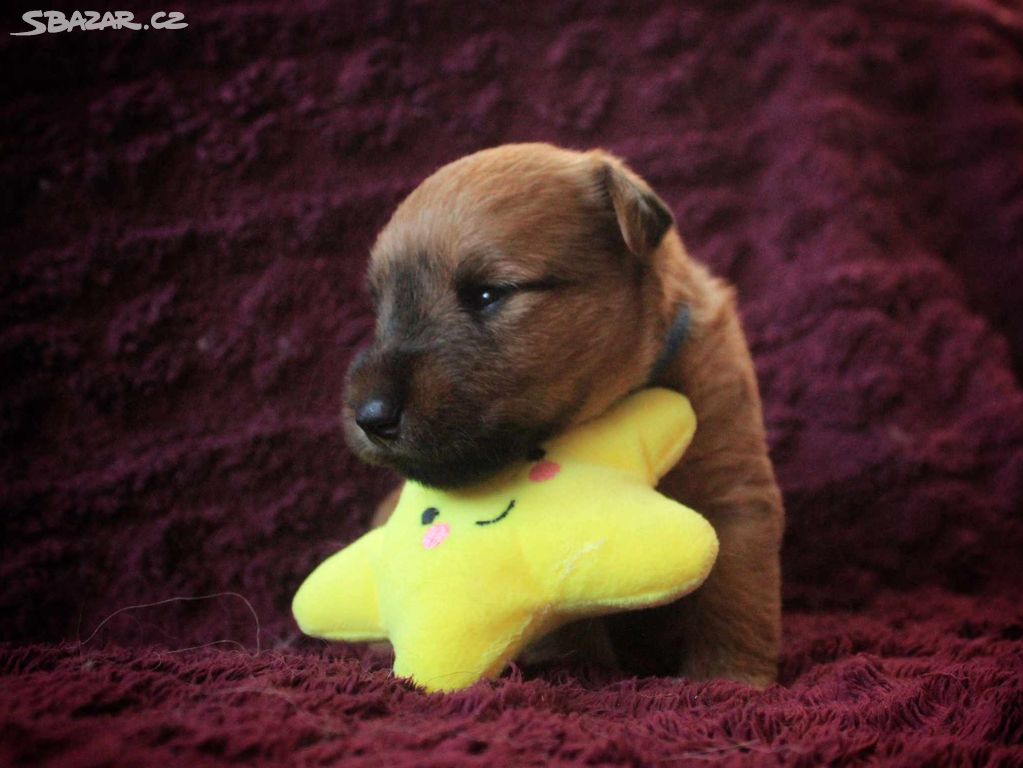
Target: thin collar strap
[676,335]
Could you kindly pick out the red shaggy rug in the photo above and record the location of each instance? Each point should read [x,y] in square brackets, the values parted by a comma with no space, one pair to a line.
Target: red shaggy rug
[186,216]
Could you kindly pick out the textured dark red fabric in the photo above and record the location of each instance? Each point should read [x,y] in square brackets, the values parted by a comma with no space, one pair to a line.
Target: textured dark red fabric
[185,220]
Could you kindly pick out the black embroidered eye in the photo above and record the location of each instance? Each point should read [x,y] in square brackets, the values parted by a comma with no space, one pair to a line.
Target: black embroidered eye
[535,453]
[430,514]
[479,298]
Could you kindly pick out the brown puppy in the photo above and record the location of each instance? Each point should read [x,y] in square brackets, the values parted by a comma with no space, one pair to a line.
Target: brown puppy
[523,289]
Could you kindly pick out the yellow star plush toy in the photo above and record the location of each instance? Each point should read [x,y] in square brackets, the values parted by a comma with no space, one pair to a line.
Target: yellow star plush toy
[460,581]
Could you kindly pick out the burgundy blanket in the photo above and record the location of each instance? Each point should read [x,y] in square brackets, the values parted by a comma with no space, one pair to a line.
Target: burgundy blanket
[185,221]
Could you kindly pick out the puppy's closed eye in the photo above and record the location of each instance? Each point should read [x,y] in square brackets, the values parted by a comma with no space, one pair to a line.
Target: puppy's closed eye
[482,299]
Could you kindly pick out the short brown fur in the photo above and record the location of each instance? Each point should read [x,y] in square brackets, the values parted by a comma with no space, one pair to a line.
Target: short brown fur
[596,271]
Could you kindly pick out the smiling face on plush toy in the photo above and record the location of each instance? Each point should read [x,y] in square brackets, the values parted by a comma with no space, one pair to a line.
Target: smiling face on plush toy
[433,526]
[437,531]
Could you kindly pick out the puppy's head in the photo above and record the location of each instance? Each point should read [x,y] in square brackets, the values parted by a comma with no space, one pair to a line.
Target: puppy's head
[515,296]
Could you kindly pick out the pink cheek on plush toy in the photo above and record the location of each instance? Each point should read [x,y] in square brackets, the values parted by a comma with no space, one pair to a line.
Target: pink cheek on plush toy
[544,470]
[435,536]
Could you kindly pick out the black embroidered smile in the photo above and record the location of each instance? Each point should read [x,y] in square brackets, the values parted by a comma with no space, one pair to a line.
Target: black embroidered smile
[500,517]
[430,514]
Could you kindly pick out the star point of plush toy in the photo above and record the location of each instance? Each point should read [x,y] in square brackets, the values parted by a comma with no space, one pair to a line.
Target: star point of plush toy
[460,581]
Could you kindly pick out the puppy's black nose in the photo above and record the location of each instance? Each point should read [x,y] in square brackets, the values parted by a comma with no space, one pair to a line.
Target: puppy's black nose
[380,417]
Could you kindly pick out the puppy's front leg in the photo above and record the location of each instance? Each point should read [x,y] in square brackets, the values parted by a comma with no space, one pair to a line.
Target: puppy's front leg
[730,627]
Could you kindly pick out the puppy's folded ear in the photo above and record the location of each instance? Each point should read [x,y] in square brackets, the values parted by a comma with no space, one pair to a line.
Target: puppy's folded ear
[642,216]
